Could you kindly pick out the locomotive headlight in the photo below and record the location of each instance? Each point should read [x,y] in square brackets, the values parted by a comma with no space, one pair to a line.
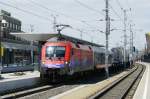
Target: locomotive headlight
[43,62]
[66,62]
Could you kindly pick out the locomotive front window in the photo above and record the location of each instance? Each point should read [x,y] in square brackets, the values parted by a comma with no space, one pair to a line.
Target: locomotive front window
[55,51]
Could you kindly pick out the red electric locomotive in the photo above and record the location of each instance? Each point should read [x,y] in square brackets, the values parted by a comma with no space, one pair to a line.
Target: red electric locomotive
[64,57]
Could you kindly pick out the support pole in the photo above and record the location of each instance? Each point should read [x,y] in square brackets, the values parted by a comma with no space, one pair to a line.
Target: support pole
[107,38]
[131,44]
[32,53]
[125,37]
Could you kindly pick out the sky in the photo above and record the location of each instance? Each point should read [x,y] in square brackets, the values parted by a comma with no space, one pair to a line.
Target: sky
[84,15]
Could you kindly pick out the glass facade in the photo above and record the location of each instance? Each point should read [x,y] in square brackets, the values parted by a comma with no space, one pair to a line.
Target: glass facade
[18,57]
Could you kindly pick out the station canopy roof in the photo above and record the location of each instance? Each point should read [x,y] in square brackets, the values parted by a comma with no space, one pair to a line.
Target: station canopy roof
[18,46]
[48,36]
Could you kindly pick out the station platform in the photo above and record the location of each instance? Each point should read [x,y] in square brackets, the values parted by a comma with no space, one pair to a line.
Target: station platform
[143,89]
[87,90]
[12,81]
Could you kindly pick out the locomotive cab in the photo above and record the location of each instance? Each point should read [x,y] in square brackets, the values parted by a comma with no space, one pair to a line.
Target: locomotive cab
[55,54]
[55,57]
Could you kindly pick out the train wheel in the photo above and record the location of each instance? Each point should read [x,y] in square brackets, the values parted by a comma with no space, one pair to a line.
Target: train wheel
[54,77]
[43,78]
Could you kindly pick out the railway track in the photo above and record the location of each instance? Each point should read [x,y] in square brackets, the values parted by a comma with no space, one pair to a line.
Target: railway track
[43,92]
[46,91]
[22,93]
[123,88]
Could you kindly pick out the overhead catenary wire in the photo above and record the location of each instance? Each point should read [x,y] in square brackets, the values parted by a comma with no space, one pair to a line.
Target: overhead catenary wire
[60,13]
[119,4]
[88,7]
[48,9]
[25,11]
[116,13]
[127,2]
[121,7]
[42,17]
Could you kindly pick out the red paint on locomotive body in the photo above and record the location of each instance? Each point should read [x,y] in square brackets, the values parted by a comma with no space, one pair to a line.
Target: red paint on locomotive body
[55,53]
[81,58]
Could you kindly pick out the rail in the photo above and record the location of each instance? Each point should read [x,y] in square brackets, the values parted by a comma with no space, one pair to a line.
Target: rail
[120,88]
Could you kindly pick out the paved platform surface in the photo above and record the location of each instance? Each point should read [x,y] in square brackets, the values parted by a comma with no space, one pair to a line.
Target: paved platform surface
[143,90]
[87,90]
[19,75]
[12,81]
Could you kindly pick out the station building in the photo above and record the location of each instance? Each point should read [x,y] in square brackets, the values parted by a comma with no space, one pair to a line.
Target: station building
[14,50]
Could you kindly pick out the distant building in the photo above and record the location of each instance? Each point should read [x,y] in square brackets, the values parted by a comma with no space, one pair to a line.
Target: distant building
[16,51]
[13,24]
